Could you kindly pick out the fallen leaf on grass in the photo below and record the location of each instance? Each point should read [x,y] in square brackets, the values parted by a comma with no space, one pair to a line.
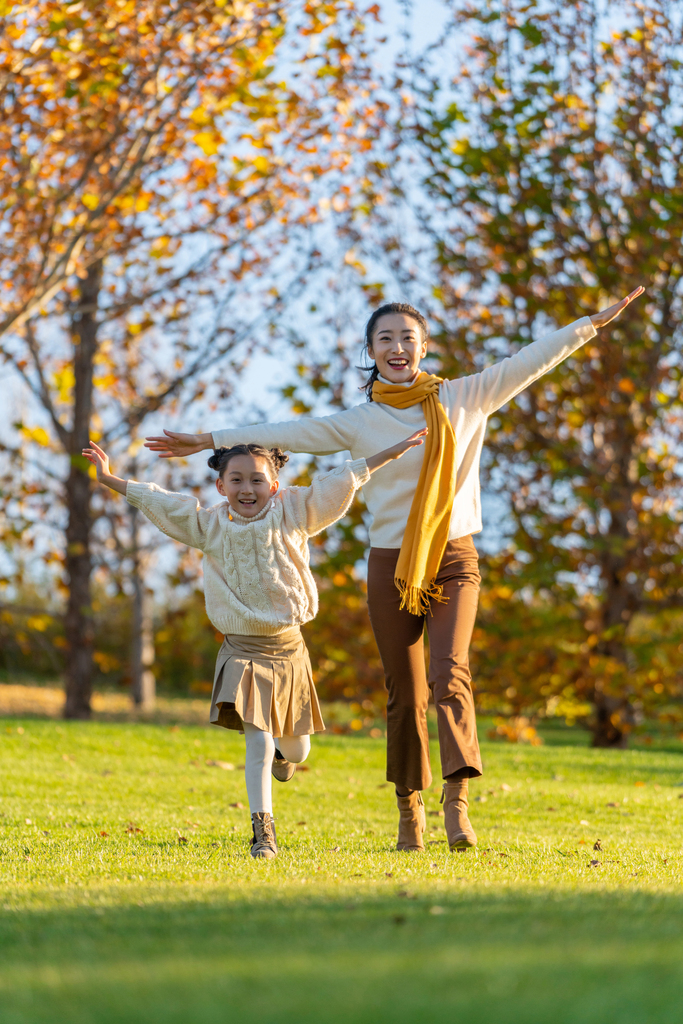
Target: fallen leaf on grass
[182,839]
[132,828]
[29,821]
[581,842]
[47,834]
[584,822]
[383,785]
[435,814]
[335,849]
[433,865]
[215,845]
[594,863]
[506,788]
[302,768]
[550,808]
[301,822]
[105,835]
[596,844]
[238,805]
[388,874]
[639,783]
[225,765]
[613,804]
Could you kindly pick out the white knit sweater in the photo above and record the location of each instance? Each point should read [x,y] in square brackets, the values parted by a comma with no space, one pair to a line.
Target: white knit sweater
[369,428]
[257,578]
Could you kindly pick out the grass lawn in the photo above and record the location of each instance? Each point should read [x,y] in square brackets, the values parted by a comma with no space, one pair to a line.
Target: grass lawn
[128,893]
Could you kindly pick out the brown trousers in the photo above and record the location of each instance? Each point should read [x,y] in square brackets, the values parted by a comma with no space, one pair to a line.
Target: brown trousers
[399,636]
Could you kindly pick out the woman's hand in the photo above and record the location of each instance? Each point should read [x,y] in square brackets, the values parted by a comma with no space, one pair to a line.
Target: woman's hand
[396,450]
[606,315]
[100,461]
[173,446]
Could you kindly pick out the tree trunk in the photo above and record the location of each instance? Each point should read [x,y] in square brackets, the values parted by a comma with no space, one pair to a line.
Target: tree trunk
[142,647]
[615,716]
[79,624]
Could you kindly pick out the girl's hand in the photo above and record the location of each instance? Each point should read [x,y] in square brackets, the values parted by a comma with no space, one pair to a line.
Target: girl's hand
[100,461]
[396,450]
[173,445]
[606,315]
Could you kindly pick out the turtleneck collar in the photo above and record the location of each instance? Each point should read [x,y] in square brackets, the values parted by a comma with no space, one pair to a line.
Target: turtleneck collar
[401,384]
[237,518]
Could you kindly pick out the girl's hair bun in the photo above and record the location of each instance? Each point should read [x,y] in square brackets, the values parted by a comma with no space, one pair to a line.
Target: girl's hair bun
[214,461]
[278,457]
[275,457]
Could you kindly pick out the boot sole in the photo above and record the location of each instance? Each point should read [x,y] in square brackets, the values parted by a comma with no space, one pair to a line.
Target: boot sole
[462,844]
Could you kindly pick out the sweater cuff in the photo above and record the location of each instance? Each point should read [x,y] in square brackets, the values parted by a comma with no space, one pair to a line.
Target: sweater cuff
[587,328]
[359,468]
[136,491]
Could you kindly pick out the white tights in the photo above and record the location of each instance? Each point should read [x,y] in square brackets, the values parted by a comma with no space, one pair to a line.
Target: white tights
[258,762]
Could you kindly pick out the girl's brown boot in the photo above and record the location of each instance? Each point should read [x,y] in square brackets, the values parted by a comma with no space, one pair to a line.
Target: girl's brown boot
[412,821]
[460,833]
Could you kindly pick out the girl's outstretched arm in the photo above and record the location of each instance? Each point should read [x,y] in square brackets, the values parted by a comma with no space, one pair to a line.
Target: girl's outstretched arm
[100,461]
[179,516]
[330,494]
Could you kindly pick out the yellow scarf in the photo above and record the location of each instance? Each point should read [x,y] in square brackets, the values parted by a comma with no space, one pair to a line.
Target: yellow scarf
[426,536]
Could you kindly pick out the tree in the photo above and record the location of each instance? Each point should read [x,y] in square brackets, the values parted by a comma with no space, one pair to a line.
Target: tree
[156,162]
[553,181]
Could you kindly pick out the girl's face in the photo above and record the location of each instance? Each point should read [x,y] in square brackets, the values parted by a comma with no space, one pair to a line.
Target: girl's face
[397,347]
[247,484]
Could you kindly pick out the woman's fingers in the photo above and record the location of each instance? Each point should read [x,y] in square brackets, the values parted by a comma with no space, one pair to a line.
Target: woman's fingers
[606,315]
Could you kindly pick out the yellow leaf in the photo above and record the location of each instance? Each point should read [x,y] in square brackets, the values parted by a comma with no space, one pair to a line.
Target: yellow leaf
[261,164]
[142,202]
[90,200]
[208,142]
[36,434]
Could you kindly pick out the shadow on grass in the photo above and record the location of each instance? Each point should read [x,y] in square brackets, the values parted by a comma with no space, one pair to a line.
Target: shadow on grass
[499,958]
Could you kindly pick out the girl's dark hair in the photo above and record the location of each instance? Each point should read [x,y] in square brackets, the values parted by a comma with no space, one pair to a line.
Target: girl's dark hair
[388,307]
[275,457]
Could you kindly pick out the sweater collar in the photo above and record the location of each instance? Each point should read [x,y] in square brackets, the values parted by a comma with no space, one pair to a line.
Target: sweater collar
[401,384]
[237,518]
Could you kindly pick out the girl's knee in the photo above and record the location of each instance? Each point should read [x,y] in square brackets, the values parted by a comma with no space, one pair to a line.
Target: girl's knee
[294,748]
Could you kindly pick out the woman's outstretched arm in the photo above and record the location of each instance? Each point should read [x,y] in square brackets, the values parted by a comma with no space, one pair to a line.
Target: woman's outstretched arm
[321,435]
[498,384]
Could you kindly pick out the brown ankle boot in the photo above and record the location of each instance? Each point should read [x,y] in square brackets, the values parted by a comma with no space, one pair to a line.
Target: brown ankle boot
[460,833]
[411,822]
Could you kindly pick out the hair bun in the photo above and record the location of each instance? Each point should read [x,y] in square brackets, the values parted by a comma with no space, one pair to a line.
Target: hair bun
[279,457]
[214,461]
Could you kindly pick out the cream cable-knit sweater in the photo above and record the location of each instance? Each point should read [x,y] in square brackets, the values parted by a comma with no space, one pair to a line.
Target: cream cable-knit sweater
[257,578]
[371,427]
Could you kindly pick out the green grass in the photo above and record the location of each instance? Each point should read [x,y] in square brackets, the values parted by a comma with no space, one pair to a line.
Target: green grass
[137,926]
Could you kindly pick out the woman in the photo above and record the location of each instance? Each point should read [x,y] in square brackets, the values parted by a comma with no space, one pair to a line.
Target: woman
[423,568]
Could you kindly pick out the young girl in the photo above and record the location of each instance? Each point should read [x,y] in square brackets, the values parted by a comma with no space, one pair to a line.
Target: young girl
[259,591]
[423,568]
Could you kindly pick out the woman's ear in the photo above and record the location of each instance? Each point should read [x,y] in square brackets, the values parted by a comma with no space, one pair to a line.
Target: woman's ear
[220,488]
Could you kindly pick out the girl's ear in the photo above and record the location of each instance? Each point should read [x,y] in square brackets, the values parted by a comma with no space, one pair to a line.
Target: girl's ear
[275,486]
[220,488]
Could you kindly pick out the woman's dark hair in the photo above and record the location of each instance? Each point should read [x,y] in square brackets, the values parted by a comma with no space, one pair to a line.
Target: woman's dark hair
[275,457]
[388,307]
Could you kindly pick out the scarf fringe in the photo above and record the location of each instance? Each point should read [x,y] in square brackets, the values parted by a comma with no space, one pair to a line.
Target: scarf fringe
[416,600]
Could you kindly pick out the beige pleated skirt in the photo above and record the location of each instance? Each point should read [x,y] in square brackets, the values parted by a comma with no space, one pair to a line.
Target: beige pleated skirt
[266,680]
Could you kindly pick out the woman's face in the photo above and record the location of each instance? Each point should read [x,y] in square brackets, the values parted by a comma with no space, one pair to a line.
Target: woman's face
[247,484]
[397,347]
